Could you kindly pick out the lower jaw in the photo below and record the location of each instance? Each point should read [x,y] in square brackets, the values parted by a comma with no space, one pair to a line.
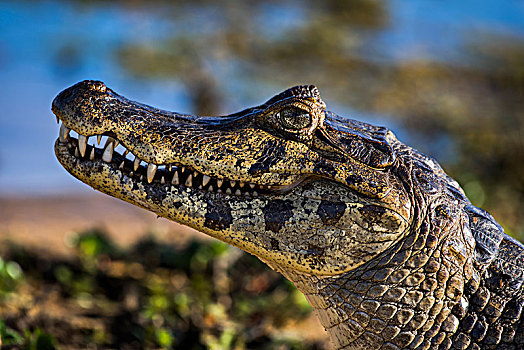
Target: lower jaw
[84,167]
[184,205]
[178,203]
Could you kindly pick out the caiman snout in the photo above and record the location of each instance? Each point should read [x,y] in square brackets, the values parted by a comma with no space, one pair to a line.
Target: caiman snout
[67,99]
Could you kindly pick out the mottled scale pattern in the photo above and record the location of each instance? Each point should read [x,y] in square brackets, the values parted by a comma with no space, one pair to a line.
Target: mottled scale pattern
[447,285]
[382,242]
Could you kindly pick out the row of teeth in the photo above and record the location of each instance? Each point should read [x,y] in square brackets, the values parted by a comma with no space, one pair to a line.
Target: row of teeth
[116,153]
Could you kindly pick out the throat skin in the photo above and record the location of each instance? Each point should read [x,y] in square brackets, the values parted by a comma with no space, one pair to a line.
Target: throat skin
[385,245]
[412,296]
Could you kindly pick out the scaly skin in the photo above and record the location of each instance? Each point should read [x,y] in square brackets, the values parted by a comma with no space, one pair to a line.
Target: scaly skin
[385,246]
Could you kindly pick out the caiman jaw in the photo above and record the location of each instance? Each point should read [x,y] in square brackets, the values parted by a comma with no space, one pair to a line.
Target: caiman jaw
[259,179]
[114,154]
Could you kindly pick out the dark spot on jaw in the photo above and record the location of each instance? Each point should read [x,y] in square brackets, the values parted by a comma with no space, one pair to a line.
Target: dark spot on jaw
[331,212]
[372,214]
[314,250]
[274,244]
[218,216]
[354,179]
[276,213]
[258,167]
[315,262]
[325,168]
[276,149]
[155,194]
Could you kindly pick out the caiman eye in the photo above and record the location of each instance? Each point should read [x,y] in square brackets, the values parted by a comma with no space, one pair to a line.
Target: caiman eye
[294,118]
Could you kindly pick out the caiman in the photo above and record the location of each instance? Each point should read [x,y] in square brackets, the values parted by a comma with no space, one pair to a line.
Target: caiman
[385,245]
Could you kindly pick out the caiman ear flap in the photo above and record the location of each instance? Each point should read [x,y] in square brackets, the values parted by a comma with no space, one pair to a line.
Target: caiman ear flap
[363,142]
[487,232]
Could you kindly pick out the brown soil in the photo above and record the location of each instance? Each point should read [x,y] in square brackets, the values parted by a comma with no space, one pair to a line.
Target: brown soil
[47,222]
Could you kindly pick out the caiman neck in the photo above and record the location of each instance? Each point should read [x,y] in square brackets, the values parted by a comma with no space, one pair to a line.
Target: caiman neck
[403,299]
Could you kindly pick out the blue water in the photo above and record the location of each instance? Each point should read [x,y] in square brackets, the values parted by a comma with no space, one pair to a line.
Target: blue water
[436,29]
[46,46]
[32,73]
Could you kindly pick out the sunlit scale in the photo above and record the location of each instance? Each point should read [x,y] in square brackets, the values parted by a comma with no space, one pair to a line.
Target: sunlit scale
[114,153]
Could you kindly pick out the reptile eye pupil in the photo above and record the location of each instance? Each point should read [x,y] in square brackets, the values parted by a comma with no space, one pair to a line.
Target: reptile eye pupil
[294,118]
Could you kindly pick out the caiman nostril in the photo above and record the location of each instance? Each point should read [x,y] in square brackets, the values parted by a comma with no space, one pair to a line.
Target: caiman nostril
[95,85]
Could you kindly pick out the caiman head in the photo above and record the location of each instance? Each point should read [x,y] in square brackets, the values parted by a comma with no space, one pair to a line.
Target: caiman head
[288,181]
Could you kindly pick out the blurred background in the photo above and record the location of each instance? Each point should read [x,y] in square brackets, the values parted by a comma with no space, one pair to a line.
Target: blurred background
[80,269]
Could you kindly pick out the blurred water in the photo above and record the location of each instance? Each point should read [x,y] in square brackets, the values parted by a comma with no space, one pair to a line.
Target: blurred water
[46,46]
[435,29]
[35,65]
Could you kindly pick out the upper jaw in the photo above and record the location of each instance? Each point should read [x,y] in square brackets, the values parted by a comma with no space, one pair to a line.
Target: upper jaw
[100,119]
[71,147]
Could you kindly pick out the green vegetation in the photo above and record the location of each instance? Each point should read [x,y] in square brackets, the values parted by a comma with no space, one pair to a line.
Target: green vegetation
[202,296]
[10,275]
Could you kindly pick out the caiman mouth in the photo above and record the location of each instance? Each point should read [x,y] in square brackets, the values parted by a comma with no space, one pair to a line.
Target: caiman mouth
[110,151]
[258,179]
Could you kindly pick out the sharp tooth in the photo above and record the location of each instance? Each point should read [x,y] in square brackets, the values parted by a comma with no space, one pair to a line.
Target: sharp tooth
[121,166]
[76,152]
[228,191]
[131,174]
[82,144]
[162,180]
[92,155]
[268,187]
[233,183]
[141,177]
[98,139]
[210,188]
[183,169]
[200,187]
[110,140]
[136,163]
[175,180]
[219,191]
[189,181]
[255,193]
[196,173]
[64,133]
[151,171]
[205,180]
[219,182]
[108,153]
[241,184]
[252,186]
[238,193]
